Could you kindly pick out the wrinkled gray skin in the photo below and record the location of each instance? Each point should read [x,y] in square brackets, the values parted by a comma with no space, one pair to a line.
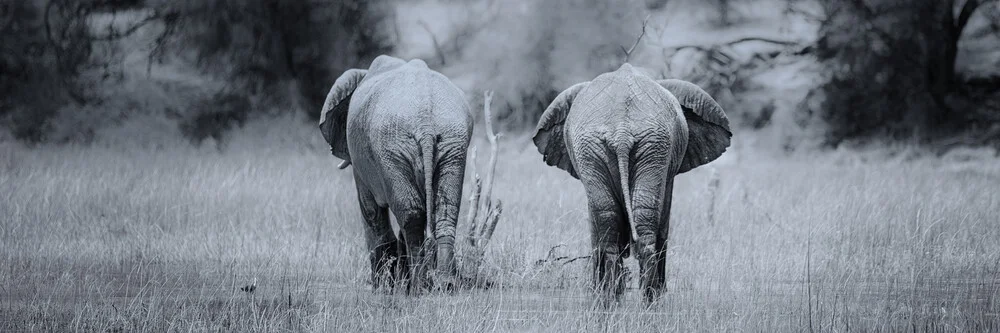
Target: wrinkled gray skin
[405,128]
[626,136]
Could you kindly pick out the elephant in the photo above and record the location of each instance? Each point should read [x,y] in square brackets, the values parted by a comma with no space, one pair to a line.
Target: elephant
[405,129]
[625,136]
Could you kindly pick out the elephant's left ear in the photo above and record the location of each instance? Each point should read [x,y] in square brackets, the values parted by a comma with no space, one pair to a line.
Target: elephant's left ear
[549,136]
[333,119]
[708,127]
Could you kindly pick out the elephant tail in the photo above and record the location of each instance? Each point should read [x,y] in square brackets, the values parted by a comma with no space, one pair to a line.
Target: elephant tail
[427,154]
[623,171]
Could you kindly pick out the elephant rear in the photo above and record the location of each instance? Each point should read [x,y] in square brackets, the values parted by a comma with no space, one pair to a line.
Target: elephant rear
[406,130]
[626,136]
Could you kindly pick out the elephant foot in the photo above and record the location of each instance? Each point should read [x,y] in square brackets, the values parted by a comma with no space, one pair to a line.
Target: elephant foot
[652,269]
[420,265]
[388,266]
[652,294]
[445,281]
[609,278]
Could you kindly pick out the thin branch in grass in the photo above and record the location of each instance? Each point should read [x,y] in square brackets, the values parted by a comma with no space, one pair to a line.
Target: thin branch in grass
[319,232]
[553,259]
[713,190]
[550,256]
[575,259]
[809,278]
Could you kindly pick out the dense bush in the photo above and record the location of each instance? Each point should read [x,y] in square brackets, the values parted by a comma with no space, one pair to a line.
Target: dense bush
[214,116]
[891,64]
[281,55]
[42,61]
[285,53]
[892,68]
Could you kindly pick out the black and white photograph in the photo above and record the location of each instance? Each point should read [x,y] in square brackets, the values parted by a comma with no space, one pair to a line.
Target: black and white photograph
[499,166]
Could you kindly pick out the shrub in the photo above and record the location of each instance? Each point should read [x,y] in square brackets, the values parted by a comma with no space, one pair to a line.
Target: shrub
[892,68]
[286,52]
[41,62]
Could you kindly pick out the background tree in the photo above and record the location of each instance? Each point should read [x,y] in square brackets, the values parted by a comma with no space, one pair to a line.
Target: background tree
[286,52]
[47,50]
[892,67]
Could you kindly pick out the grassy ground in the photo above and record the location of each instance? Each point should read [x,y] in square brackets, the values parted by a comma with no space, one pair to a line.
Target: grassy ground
[110,239]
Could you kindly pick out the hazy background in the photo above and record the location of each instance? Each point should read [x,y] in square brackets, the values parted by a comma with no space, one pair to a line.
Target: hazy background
[797,74]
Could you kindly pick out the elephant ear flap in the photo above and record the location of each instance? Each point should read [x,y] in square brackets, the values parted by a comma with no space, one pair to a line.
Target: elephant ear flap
[549,136]
[708,127]
[333,119]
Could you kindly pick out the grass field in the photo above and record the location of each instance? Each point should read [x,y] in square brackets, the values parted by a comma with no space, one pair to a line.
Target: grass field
[155,239]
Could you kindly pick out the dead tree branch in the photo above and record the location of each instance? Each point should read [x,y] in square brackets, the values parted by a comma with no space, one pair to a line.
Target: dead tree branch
[473,201]
[484,213]
[434,39]
[551,257]
[493,215]
[707,47]
[628,52]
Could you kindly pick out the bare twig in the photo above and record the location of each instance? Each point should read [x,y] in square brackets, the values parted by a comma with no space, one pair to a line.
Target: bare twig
[553,259]
[643,33]
[575,259]
[437,45]
[169,27]
[552,251]
[114,34]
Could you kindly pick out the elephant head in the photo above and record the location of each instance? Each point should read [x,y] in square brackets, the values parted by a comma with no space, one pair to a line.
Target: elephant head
[625,136]
[405,128]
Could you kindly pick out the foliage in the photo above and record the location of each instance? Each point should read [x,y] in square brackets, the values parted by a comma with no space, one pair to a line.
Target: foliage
[45,48]
[214,116]
[892,67]
[286,52]
[59,55]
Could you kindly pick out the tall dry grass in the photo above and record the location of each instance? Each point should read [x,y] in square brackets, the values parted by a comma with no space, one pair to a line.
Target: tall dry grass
[159,238]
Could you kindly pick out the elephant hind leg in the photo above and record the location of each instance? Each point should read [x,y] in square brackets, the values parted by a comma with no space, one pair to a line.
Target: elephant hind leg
[412,243]
[402,268]
[609,277]
[655,266]
[383,251]
[657,263]
[607,257]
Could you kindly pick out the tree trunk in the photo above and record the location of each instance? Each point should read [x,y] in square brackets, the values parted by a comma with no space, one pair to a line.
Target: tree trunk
[941,43]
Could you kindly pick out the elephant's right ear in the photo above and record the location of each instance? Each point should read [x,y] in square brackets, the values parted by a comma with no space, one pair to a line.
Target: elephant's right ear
[333,119]
[549,136]
[708,126]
